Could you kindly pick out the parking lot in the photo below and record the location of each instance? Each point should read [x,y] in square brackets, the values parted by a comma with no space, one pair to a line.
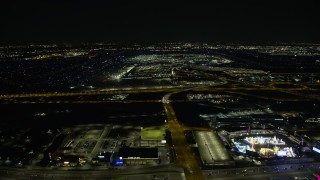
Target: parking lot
[90,141]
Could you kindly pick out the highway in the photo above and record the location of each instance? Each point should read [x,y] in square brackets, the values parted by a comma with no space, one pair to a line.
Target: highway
[164,89]
[184,155]
[97,92]
[304,169]
[246,91]
[266,176]
[172,171]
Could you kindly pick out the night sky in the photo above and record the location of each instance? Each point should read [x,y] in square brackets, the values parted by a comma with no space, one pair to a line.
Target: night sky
[255,21]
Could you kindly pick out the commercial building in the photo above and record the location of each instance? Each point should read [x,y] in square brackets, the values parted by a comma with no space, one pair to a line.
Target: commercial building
[137,156]
[70,160]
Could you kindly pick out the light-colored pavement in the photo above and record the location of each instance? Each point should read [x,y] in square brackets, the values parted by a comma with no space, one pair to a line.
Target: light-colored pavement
[100,141]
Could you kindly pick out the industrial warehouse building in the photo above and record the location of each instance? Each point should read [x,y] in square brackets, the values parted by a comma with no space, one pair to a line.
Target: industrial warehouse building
[212,150]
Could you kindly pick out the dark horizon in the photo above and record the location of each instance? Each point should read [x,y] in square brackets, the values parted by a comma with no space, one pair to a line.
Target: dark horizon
[152,22]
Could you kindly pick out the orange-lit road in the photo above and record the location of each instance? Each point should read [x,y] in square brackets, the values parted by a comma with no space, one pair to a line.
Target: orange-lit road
[143,90]
[81,101]
[184,155]
[92,93]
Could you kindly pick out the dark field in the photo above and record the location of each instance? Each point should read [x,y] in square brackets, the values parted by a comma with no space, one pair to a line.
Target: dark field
[68,114]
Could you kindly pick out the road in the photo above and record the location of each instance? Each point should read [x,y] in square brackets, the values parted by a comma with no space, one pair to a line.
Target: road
[164,89]
[184,155]
[266,176]
[304,169]
[172,171]
[98,92]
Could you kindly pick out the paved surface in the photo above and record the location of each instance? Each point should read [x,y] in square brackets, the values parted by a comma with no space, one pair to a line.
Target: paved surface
[292,170]
[171,171]
[22,98]
[184,155]
[101,140]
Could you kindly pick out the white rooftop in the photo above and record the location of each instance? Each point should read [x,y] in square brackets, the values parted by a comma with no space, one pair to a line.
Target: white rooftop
[211,148]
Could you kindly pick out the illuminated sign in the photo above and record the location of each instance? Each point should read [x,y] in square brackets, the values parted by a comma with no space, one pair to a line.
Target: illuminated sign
[119,162]
[133,157]
[278,119]
[316,149]
[282,153]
